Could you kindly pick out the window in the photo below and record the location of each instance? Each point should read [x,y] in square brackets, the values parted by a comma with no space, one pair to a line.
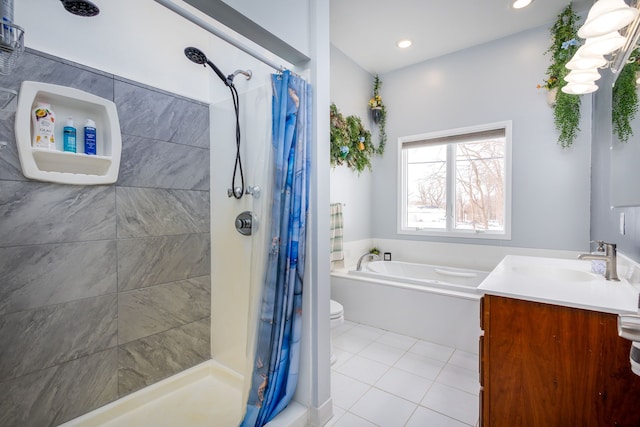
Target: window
[457,182]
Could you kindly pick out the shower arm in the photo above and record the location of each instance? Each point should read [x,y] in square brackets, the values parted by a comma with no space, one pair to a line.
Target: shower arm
[247,73]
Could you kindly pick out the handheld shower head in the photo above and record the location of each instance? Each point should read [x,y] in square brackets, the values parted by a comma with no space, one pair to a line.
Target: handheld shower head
[196,55]
[81,7]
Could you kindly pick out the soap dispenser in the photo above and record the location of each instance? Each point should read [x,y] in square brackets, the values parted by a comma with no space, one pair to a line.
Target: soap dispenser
[599,266]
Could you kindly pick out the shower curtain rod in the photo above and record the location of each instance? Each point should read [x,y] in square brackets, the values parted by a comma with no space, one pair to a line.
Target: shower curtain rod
[215,31]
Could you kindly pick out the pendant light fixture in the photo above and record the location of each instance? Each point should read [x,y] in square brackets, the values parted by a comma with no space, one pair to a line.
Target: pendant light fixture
[603,45]
[585,61]
[606,16]
[601,31]
[582,76]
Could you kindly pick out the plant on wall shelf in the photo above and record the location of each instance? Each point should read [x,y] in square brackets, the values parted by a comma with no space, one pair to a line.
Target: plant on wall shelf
[350,141]
[379,114]
[566,110]
[625,99]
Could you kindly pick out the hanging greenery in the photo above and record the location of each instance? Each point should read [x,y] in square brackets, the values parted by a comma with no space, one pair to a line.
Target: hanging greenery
[625,99]
[379,113]
[350,141]
[566,111]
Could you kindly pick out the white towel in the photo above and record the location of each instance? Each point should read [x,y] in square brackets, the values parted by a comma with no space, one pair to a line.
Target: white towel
[335,232]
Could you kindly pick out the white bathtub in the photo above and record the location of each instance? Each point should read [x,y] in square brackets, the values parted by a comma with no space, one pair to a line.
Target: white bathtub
[433,303]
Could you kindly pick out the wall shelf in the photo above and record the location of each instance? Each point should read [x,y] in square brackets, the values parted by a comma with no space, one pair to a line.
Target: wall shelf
[65,167]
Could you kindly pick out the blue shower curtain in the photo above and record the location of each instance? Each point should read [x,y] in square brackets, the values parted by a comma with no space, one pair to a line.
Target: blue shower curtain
[276,367]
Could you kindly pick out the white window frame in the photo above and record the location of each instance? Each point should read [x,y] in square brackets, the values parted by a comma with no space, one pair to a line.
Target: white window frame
[450,231]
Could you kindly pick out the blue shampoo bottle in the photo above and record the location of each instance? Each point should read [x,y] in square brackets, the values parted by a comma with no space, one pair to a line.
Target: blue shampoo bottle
[69,136]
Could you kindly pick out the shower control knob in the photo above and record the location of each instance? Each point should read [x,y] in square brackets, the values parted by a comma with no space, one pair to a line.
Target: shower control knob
[254,191]
[244,223]
[235,192]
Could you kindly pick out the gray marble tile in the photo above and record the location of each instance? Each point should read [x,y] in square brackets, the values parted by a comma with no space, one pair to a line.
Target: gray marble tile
[155,260]
[143,212]
[157,164]
[34,67]
[34,212]
[44,337]
[148,360]
[9,160]
[155,309]
[159,116]
[55,395]
[40,275]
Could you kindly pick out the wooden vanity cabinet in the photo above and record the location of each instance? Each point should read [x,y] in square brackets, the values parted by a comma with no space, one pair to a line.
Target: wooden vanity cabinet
[548,365]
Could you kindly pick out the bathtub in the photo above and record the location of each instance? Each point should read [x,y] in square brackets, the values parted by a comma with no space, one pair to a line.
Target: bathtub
[432,303]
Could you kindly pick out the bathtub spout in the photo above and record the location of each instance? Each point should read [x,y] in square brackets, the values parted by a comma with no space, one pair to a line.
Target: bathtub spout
[368,254]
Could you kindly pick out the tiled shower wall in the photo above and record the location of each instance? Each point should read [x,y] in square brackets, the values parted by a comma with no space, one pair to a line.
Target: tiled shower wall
[104,289]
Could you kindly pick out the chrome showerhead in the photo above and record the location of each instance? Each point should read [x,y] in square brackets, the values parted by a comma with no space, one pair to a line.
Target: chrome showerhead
[81,7]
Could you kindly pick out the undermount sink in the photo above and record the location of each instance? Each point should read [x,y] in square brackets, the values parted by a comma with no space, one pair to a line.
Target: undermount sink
[555,274]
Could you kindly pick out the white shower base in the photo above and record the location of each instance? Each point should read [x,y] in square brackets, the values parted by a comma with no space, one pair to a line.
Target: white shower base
[206,395]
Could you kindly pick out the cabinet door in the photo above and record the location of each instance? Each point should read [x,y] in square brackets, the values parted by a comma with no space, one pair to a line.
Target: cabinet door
[547,365]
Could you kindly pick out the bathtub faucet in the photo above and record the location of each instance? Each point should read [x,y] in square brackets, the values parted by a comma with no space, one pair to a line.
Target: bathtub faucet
[368,254]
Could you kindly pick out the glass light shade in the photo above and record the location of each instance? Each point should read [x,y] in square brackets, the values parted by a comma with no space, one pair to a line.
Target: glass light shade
[581,61]
[606,16]
[603,45]
[582,76]
[579,88]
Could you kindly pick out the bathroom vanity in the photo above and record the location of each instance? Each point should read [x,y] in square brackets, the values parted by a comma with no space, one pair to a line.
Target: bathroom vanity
[550,354]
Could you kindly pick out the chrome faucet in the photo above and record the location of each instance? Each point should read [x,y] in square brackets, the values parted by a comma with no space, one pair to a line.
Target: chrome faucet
[368,254]
[610,259]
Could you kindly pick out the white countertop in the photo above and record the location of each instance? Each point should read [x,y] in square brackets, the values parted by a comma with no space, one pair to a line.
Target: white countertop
[564,282]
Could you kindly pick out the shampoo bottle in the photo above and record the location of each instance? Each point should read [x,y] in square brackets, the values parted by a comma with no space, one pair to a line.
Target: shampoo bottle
[69,136]
[90,137]
[44,121]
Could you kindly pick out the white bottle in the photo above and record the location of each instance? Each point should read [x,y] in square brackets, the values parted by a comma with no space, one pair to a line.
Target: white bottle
[44,122]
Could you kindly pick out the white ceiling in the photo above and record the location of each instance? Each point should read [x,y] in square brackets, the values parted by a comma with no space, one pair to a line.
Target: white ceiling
[367,30]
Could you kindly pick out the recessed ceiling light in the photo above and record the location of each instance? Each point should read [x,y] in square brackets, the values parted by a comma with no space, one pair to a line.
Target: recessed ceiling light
[519,4]
[404,43]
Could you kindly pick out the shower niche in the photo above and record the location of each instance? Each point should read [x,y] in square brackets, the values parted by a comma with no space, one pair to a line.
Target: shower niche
[66,167]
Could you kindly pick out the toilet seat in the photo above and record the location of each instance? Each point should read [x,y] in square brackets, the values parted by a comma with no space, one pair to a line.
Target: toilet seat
[336,309]
[336,319]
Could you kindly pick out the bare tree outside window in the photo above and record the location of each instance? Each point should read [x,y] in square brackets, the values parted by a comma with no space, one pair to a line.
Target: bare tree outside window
[456,182]
[480,185]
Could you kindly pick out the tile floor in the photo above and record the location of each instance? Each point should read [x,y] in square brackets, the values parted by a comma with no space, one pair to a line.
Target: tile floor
[385,379]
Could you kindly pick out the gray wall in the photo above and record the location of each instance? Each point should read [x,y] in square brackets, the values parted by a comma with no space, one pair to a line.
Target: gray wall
[104,289]
[490,83]
[351,89]
[605,220]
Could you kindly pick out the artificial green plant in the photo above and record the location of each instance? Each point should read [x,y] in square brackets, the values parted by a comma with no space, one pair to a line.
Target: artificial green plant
[566,111]
[376,102]
[625,99]
[350,141]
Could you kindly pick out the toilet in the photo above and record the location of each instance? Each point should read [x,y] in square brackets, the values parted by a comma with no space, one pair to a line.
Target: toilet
[337,319]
